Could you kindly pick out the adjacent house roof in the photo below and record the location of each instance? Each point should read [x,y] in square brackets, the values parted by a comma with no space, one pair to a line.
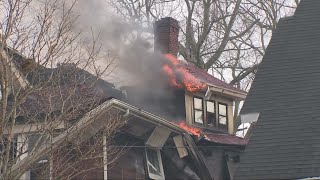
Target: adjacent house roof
[285,142]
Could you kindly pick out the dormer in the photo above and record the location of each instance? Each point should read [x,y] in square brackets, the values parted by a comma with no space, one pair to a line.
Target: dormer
[210,105]
[212,109]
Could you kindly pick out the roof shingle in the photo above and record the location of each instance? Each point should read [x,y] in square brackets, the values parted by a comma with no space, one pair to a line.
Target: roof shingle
[209,79]
[285,142]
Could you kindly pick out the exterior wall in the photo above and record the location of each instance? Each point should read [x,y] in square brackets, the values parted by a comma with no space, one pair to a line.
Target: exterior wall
[78,159]
[214,97]
[233,164]
[67,162]
[221,162]
[130,165]
[213,159]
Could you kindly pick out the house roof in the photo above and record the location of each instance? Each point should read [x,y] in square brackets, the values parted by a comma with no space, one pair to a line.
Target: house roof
[49,100]
[209,79]
[186,75]
[285,141]
[226,139]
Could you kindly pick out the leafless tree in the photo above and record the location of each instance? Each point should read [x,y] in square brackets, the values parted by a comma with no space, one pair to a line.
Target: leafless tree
[228,37]
[45,87]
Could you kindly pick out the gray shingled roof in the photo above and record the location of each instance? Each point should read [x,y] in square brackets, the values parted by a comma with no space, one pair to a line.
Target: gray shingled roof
[286,141]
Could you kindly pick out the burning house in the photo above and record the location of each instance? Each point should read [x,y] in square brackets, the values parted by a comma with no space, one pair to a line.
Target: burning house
[195,101]
[180,127]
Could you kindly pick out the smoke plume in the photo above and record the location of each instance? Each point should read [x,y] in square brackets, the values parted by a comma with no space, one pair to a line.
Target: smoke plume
[136,60]
[138,65]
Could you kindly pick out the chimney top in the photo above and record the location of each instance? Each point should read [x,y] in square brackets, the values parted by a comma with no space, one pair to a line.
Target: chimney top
[166,33]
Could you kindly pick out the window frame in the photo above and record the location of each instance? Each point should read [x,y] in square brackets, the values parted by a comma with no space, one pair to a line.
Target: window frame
[150,174]
[202,110]
[216,125]
[222,126]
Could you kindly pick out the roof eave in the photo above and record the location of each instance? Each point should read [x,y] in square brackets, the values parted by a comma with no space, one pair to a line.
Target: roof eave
[237,95]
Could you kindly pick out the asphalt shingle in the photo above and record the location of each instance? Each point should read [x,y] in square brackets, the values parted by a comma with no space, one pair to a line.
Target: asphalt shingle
[285,143]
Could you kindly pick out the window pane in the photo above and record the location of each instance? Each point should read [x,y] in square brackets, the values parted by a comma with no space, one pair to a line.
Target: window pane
[153,162]
[210,106]
[211,118]
[223,109]
[197,103]
[222,120]
[198,116]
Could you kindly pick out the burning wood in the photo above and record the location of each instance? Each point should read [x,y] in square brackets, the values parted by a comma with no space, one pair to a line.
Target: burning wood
[192,130]
[179,76]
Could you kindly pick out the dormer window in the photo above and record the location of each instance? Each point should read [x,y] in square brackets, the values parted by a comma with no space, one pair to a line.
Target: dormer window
[209,113]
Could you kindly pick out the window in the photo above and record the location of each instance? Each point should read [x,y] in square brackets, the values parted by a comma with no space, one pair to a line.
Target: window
[223,116]
[154,164]
[198,110]
[211,115]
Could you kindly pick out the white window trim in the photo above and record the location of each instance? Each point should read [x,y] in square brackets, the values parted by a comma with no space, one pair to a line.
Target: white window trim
[23,139]
[151,175]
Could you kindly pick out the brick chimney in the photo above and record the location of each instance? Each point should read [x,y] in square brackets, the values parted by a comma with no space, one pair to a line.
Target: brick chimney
[166,32]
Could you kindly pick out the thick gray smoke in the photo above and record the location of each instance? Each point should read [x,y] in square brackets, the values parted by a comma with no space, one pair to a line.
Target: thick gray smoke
[135,58]
[138,65]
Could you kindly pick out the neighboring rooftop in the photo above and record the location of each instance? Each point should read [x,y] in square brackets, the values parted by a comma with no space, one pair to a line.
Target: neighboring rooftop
[285,141]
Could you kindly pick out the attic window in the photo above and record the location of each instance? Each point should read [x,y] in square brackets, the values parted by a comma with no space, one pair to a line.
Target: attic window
[154,164]
[209,113]
[198,110]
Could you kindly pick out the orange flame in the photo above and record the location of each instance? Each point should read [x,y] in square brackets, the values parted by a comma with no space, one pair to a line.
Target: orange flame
[179,76]
[192,130]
